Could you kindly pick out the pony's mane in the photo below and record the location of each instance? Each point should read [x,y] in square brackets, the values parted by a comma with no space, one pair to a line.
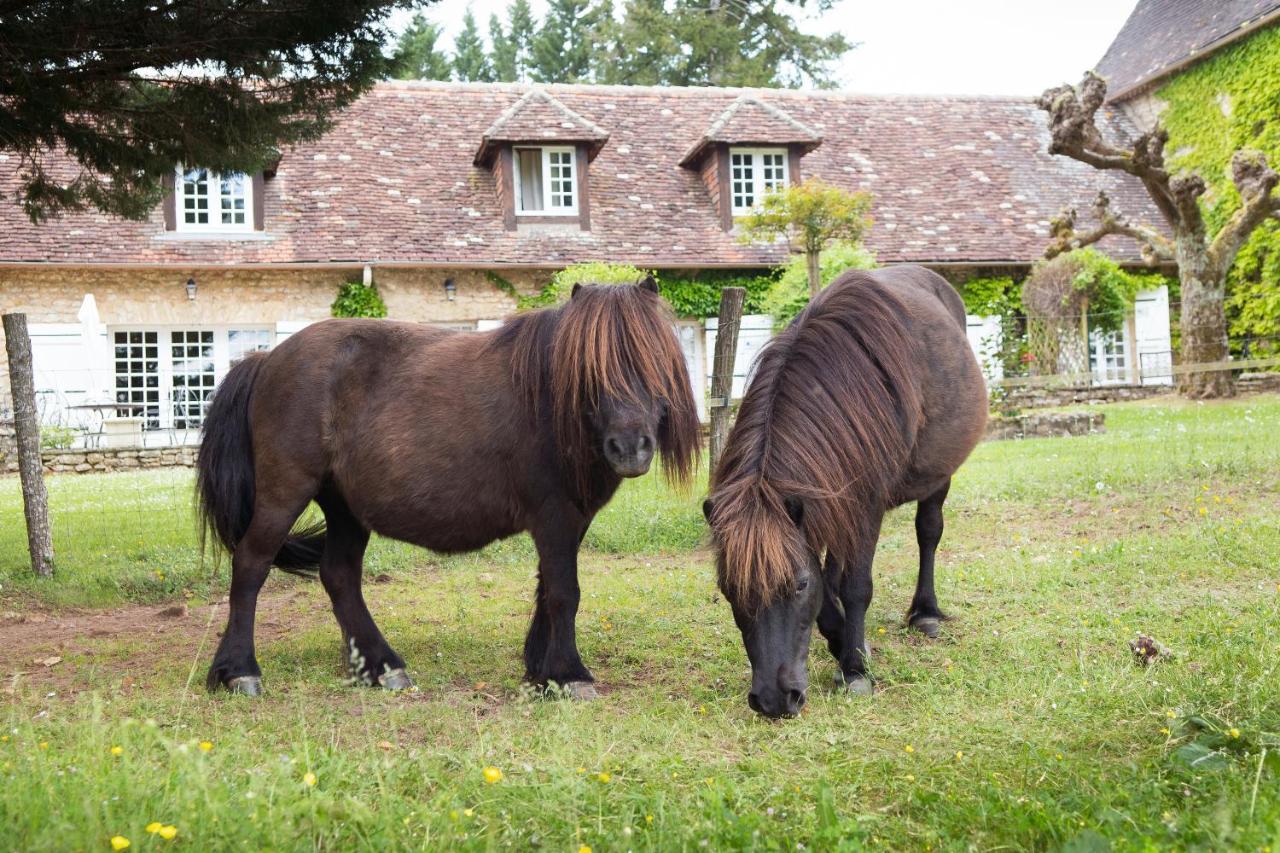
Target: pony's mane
[826,421]
[607,340]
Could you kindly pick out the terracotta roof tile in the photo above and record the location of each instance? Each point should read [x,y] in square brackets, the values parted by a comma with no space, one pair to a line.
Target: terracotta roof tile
[750,120]
[1162,34]
[954,180]
[537,116]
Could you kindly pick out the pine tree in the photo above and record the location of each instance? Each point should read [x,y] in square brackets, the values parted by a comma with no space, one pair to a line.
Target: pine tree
[562,47]
[503,53]
[416,56]
[107,85]
[521,31]
[470,63]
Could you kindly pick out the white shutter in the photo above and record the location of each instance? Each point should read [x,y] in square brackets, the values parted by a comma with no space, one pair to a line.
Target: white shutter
[985,336]
[755,332]
[67,371]
[285,328]
[1154,343]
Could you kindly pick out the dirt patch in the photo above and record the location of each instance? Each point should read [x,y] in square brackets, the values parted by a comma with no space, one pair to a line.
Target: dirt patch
[54,649]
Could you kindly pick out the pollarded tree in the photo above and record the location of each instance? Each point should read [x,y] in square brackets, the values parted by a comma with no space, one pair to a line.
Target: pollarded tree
[129,89]
[1203,259]
[811,215]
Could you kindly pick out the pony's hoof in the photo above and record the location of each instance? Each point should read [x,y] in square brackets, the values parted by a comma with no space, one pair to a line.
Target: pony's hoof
[859,685]
[581,691]
[395,679]
[930,626]
[245,685]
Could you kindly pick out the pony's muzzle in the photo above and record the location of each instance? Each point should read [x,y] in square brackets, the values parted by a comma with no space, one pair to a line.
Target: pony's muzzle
[775,702]
[629,455]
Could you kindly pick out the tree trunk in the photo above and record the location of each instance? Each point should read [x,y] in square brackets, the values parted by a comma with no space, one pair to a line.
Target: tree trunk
[26,423]
[815,273]
[731,299]
[1204,324]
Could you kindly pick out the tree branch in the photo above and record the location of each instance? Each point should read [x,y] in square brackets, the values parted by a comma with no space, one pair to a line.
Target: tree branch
[1155,246]
[1074,133]
[1256,182]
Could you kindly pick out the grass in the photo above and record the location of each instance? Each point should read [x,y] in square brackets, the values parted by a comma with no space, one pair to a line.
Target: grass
[1027,726]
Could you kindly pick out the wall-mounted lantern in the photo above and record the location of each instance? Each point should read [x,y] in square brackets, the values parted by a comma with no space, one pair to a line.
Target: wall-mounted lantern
[191,289]
[450,289]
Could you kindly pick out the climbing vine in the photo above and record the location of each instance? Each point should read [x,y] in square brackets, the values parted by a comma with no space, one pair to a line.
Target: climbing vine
[1230,101]
[357,299]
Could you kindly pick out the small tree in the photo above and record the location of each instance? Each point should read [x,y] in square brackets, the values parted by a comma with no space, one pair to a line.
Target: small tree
[1203,259]
[810,215]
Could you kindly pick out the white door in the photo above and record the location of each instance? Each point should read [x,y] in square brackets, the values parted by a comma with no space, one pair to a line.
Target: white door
[755,332]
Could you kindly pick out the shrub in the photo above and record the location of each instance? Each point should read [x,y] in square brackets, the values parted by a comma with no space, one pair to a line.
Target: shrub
[593,272]
[790,293]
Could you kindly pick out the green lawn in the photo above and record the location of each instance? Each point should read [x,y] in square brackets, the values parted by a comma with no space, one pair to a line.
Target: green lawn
[1028,725]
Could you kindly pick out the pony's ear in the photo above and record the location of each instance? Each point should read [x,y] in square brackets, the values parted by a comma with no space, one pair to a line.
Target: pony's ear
[707,508]
[795,509]
[576,288]
[647,283]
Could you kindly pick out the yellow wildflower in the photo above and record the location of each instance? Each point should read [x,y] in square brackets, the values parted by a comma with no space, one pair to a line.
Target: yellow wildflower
[1059,756]
[584,849]
[154,827]
[1234,732]
[167,832]
[44,744]
[309,779]
[880,630]
[909,748]
[119,842]
[117,750]
[206,745]
[959,755]
[1164,730]
[604,777]
[648,818]
[469,812]
[1170,714]
[911,777]
[492,775]
[702,709]
[1204,511]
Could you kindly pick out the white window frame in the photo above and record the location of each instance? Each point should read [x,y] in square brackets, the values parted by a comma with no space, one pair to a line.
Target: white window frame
[164,367]
[547,151]
[756,185]
[215,223]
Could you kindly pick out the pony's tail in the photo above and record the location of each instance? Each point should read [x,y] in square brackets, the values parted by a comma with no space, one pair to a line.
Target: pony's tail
[225,474]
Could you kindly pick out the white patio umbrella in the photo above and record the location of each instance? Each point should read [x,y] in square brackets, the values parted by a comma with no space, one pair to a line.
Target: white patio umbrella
[94,344]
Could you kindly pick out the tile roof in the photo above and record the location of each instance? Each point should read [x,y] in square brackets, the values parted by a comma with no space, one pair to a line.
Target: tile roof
[750,120]
[1162,35]
[537,116]
[954,179]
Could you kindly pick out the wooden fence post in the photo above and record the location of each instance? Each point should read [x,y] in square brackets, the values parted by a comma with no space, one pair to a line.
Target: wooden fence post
[26,423]
[731,299]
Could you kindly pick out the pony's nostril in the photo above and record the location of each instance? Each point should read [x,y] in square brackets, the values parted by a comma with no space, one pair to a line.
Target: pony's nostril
[753,702]
[795,700]
[613,446]
[645,444]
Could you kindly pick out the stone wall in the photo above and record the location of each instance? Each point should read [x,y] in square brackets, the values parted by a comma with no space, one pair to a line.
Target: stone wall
[250,296]
[109,459]
[1040,398]
[1045,425]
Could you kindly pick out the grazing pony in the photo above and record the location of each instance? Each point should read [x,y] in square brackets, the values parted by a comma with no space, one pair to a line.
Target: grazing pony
[870,399]
[444,439]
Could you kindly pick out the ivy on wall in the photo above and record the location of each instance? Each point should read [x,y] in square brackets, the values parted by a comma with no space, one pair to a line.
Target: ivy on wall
[1230,101]
[357,299]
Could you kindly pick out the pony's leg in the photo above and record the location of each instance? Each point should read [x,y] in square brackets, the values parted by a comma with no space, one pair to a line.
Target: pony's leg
[856,587]
[234,665]
[370,659]
[831,616]
[551,647]
[924,615]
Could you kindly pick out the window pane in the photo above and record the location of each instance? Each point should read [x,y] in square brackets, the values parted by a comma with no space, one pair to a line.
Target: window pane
[193,376]
[232,194]
[241,342]
[742,180]
[134,376]
[773,172]
[561,169]
[529,164]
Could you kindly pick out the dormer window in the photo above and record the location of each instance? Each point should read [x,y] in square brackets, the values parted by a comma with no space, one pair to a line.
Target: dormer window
[545,181]
[753,174]
[208,201]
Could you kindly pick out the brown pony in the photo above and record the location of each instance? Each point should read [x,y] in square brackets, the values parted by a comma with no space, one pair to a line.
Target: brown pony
[870,399]
[449,441]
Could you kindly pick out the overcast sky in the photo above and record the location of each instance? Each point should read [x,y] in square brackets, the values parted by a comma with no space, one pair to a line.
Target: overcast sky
[993,47]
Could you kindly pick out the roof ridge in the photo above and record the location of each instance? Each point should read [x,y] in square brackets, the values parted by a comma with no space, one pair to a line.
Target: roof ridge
[537,93]
[777,112]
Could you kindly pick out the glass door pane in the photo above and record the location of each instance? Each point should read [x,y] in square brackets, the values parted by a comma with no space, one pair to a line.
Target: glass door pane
[194,376]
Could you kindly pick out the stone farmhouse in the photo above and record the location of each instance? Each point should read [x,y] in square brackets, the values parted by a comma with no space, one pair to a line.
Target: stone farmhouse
[449,195]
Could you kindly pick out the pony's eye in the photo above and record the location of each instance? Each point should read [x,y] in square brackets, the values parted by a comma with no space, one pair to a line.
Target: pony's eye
[802,585]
